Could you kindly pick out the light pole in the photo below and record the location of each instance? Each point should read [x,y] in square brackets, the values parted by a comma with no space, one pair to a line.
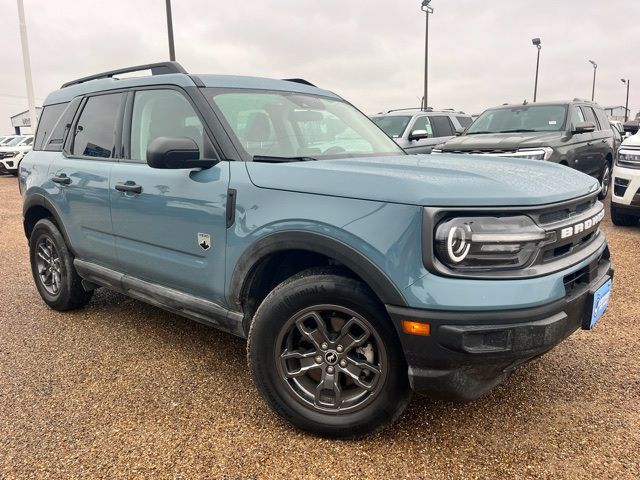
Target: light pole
[427,9]
[593,88]
[172,51]
[538,44]
[626,105]
[27,67]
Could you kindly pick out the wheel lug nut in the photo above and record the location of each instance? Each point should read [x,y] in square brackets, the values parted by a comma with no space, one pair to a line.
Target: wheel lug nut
[324,346]
[329,369]
[319,359]
[343,363]
[339,348]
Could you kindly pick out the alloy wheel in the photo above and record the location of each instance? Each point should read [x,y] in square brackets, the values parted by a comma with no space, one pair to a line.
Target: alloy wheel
[48,265]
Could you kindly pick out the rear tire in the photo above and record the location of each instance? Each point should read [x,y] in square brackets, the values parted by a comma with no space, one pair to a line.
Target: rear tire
[622,219]
[326,358]
[52,268]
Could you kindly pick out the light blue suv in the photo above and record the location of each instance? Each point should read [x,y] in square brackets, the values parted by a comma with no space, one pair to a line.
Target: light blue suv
[277,211]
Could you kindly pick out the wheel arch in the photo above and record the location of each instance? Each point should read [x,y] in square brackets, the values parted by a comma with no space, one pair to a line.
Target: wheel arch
[37,207]
[319,248]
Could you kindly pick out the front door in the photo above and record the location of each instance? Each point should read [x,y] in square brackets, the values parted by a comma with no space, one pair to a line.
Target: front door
[171,232]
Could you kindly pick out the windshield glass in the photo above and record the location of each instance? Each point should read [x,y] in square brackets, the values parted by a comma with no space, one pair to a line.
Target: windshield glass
[392,125]
[287,124]
[523,118]
[14,141]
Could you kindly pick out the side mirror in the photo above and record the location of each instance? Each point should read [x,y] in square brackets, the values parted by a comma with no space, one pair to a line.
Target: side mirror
[584,127]
[459,131]
[418,135]
[176,152]
[631,127]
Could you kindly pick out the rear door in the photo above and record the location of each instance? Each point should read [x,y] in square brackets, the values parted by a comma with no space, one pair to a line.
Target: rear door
[173,232]
[79,178]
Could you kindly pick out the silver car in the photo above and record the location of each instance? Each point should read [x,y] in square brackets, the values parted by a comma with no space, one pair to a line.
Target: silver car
[418,131]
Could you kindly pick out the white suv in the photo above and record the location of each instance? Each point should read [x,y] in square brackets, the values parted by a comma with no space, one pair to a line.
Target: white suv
[12,152]
[625,200]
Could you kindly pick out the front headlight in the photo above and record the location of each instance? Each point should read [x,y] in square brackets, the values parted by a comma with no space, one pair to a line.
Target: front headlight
[629,157]
[541,153]
[489,243]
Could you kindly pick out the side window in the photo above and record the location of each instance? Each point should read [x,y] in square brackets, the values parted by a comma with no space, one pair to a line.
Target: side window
[162,113]
[602,118]
[465,122]
[576,116]
[96,127]
[48,119]
[590,116]
[442,126]
[55,141]
[28,142]
[423,123]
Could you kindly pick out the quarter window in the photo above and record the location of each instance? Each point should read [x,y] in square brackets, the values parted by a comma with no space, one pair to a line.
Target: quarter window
[162,113]
[95,130]
[48,119]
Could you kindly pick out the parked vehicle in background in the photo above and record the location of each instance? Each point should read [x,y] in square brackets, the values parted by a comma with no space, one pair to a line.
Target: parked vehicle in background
[418,131]
[6,139]
[618,136]
[625,199]
[575,133]
[12,153]
[276,211]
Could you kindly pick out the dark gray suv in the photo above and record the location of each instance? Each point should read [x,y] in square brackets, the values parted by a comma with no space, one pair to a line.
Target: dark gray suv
[418,131]
[575,133]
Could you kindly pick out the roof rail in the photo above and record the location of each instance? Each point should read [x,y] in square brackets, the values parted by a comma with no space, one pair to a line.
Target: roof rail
[162,68]
[299,80]
[403,109]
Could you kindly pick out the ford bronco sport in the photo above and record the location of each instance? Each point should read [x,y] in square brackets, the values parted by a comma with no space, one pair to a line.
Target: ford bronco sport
[278,212]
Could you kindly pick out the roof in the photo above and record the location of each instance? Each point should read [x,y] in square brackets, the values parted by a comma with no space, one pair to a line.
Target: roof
[416,111]
[107,81]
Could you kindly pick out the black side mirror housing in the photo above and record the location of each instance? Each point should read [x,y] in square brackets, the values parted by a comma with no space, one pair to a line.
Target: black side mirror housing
[632,127]
[583,127]
[176,153]
[418,135]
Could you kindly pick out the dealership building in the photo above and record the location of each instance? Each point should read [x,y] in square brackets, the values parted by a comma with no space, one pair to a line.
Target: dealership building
[21,122]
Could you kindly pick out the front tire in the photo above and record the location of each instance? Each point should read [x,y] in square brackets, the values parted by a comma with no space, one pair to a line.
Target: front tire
[52,268]
[325,356]
[622,219]
[605,181]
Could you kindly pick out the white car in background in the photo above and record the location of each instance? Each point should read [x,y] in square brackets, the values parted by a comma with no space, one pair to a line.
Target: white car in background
[13,151]
[625,199]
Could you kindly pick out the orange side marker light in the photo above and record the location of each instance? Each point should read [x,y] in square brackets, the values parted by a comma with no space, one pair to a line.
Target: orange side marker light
[416,328]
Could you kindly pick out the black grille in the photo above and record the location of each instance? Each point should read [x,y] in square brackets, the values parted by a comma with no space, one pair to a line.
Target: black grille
[483,151]
[565,213]
[581,277]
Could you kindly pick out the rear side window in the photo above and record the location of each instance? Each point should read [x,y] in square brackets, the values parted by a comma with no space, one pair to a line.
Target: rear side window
[441,126]
[590,116]
[465,121]
[95,131]
[47,122]
[602,118]
[55,141]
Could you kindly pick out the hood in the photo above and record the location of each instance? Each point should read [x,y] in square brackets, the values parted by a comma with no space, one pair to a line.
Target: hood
[433,180]
[503,141]
[632,141]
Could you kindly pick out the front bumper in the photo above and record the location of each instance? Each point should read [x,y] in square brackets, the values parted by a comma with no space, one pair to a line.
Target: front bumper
[468,353]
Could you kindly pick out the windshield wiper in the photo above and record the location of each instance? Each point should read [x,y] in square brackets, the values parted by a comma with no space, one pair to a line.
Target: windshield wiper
[517,130]
[270,159]
[476,133]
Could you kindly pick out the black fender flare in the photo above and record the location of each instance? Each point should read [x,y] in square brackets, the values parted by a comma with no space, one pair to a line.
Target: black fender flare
[39,200]
[318,243]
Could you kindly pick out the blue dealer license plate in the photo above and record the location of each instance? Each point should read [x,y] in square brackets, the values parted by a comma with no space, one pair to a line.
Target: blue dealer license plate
[600,303]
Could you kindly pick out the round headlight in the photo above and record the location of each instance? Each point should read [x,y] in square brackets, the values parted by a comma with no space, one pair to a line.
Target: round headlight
[459,243]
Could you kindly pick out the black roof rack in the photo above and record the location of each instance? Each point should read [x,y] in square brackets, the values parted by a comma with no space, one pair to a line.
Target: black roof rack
[299,80]
[162,68]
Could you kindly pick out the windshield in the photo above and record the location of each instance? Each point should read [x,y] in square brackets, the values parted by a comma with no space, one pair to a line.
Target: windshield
[288,125]
[523,118]
[392,125]
[13,142]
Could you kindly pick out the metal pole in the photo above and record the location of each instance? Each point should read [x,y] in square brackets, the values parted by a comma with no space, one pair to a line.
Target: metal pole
[172,51]
[593,89]
[626,105]
[27,67]
[535,88]
[426,63]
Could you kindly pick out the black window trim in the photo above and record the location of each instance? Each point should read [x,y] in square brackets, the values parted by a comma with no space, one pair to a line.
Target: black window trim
[451,125]
[36,136]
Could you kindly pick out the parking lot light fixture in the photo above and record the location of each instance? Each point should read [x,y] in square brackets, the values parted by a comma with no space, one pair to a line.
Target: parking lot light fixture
[593,88]
[427,9]
[538,44]
[626,105]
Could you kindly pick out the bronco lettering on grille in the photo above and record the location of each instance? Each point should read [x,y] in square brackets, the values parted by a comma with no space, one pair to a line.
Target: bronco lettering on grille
[582,226]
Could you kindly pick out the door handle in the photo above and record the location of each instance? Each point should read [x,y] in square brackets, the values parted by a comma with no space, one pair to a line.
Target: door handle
[61,179]
[604,140]
[589,144]
[129,186]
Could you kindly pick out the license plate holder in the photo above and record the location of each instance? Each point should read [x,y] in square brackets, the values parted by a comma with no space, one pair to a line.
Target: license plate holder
[599,303]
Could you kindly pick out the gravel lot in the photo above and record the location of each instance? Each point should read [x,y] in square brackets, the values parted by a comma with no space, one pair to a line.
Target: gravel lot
[123,389]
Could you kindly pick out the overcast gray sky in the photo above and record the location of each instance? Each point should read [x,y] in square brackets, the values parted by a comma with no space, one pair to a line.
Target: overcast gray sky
[370,52]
